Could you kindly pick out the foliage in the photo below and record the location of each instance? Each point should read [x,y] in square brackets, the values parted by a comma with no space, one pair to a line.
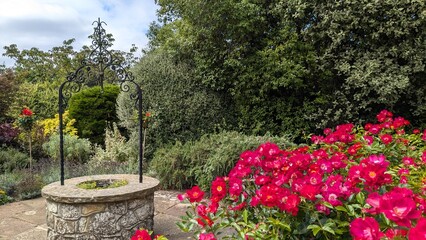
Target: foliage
[7,133]
[293,66]
[41,96]
[198,162]
[375,51]
[29,187]
[175,100]
[12,159]
[247,49]
[92,108]
[4,198]
[117,149]
[8,86]
[51,125]
[354,181]
[34,65]
[75,149]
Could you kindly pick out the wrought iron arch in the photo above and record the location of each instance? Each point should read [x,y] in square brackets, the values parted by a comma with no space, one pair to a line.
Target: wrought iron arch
[100,65]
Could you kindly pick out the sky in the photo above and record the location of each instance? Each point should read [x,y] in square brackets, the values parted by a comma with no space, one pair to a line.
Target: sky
[45,24]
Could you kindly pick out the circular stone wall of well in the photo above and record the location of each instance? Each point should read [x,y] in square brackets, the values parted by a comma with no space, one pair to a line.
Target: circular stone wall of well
[113,213]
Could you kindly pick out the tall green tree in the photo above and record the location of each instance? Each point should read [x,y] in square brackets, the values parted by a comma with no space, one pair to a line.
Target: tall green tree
[294,65]
[8,86]
[40,73]
[375,50]
[248,49]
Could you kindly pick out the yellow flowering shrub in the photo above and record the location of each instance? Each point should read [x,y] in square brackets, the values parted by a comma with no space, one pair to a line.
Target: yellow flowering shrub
[51,125]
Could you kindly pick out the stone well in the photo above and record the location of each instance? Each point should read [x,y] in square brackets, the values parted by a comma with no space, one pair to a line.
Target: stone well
[112,213]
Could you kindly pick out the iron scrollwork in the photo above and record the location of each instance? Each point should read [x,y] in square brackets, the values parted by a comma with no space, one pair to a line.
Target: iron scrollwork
[100,65]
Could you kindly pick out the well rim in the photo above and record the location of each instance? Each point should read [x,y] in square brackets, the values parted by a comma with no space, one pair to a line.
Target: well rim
[70,193]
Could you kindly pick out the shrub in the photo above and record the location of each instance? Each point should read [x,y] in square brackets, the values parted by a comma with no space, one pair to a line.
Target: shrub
[117,150]
[29,187]
[51,125]
[183,109]
[42,97]
[360,182]
[75,149]
[4,198]
[199,162]
[92,108]
[8,133]
[12,159]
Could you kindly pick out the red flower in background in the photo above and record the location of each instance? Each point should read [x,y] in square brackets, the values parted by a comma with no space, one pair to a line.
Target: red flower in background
[374,201]
[26,119]
[235,186]
[27,112]
[365,229]
[386,138]
[396,233]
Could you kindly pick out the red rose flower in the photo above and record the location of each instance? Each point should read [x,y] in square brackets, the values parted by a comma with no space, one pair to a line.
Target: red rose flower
[235,186]
[219,188]
[26,112]
[386,138]
[374,201]
[396,233]
[204,221]
[195,194]
[206,236]
[419,231]
[141,234]
[309,191]
[398,205]
[365,229]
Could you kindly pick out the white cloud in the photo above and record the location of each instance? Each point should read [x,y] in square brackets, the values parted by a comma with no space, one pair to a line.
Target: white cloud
[46,23]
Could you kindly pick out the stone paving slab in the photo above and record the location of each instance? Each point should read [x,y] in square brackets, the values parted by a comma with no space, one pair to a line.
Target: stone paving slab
[26,220]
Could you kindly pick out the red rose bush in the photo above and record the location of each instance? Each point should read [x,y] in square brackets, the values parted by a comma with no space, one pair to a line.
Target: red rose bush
[353,182]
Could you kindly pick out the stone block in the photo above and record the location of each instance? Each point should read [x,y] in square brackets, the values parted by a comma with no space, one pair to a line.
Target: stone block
[65,226]
[70,212]
[136,203]
[144,211]
[128,220]
[52,235]
[118,208]
[50,219]
[82,225]
[104,223]
[52,207]
[88,209]
[85,237]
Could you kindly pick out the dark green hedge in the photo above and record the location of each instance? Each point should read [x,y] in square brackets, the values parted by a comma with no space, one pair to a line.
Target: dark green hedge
[92,109]
[181,166]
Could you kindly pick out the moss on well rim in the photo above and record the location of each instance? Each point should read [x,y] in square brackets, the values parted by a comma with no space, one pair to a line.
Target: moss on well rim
[102,184]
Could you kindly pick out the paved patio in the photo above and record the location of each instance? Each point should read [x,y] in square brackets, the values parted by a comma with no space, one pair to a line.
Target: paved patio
[26,220]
